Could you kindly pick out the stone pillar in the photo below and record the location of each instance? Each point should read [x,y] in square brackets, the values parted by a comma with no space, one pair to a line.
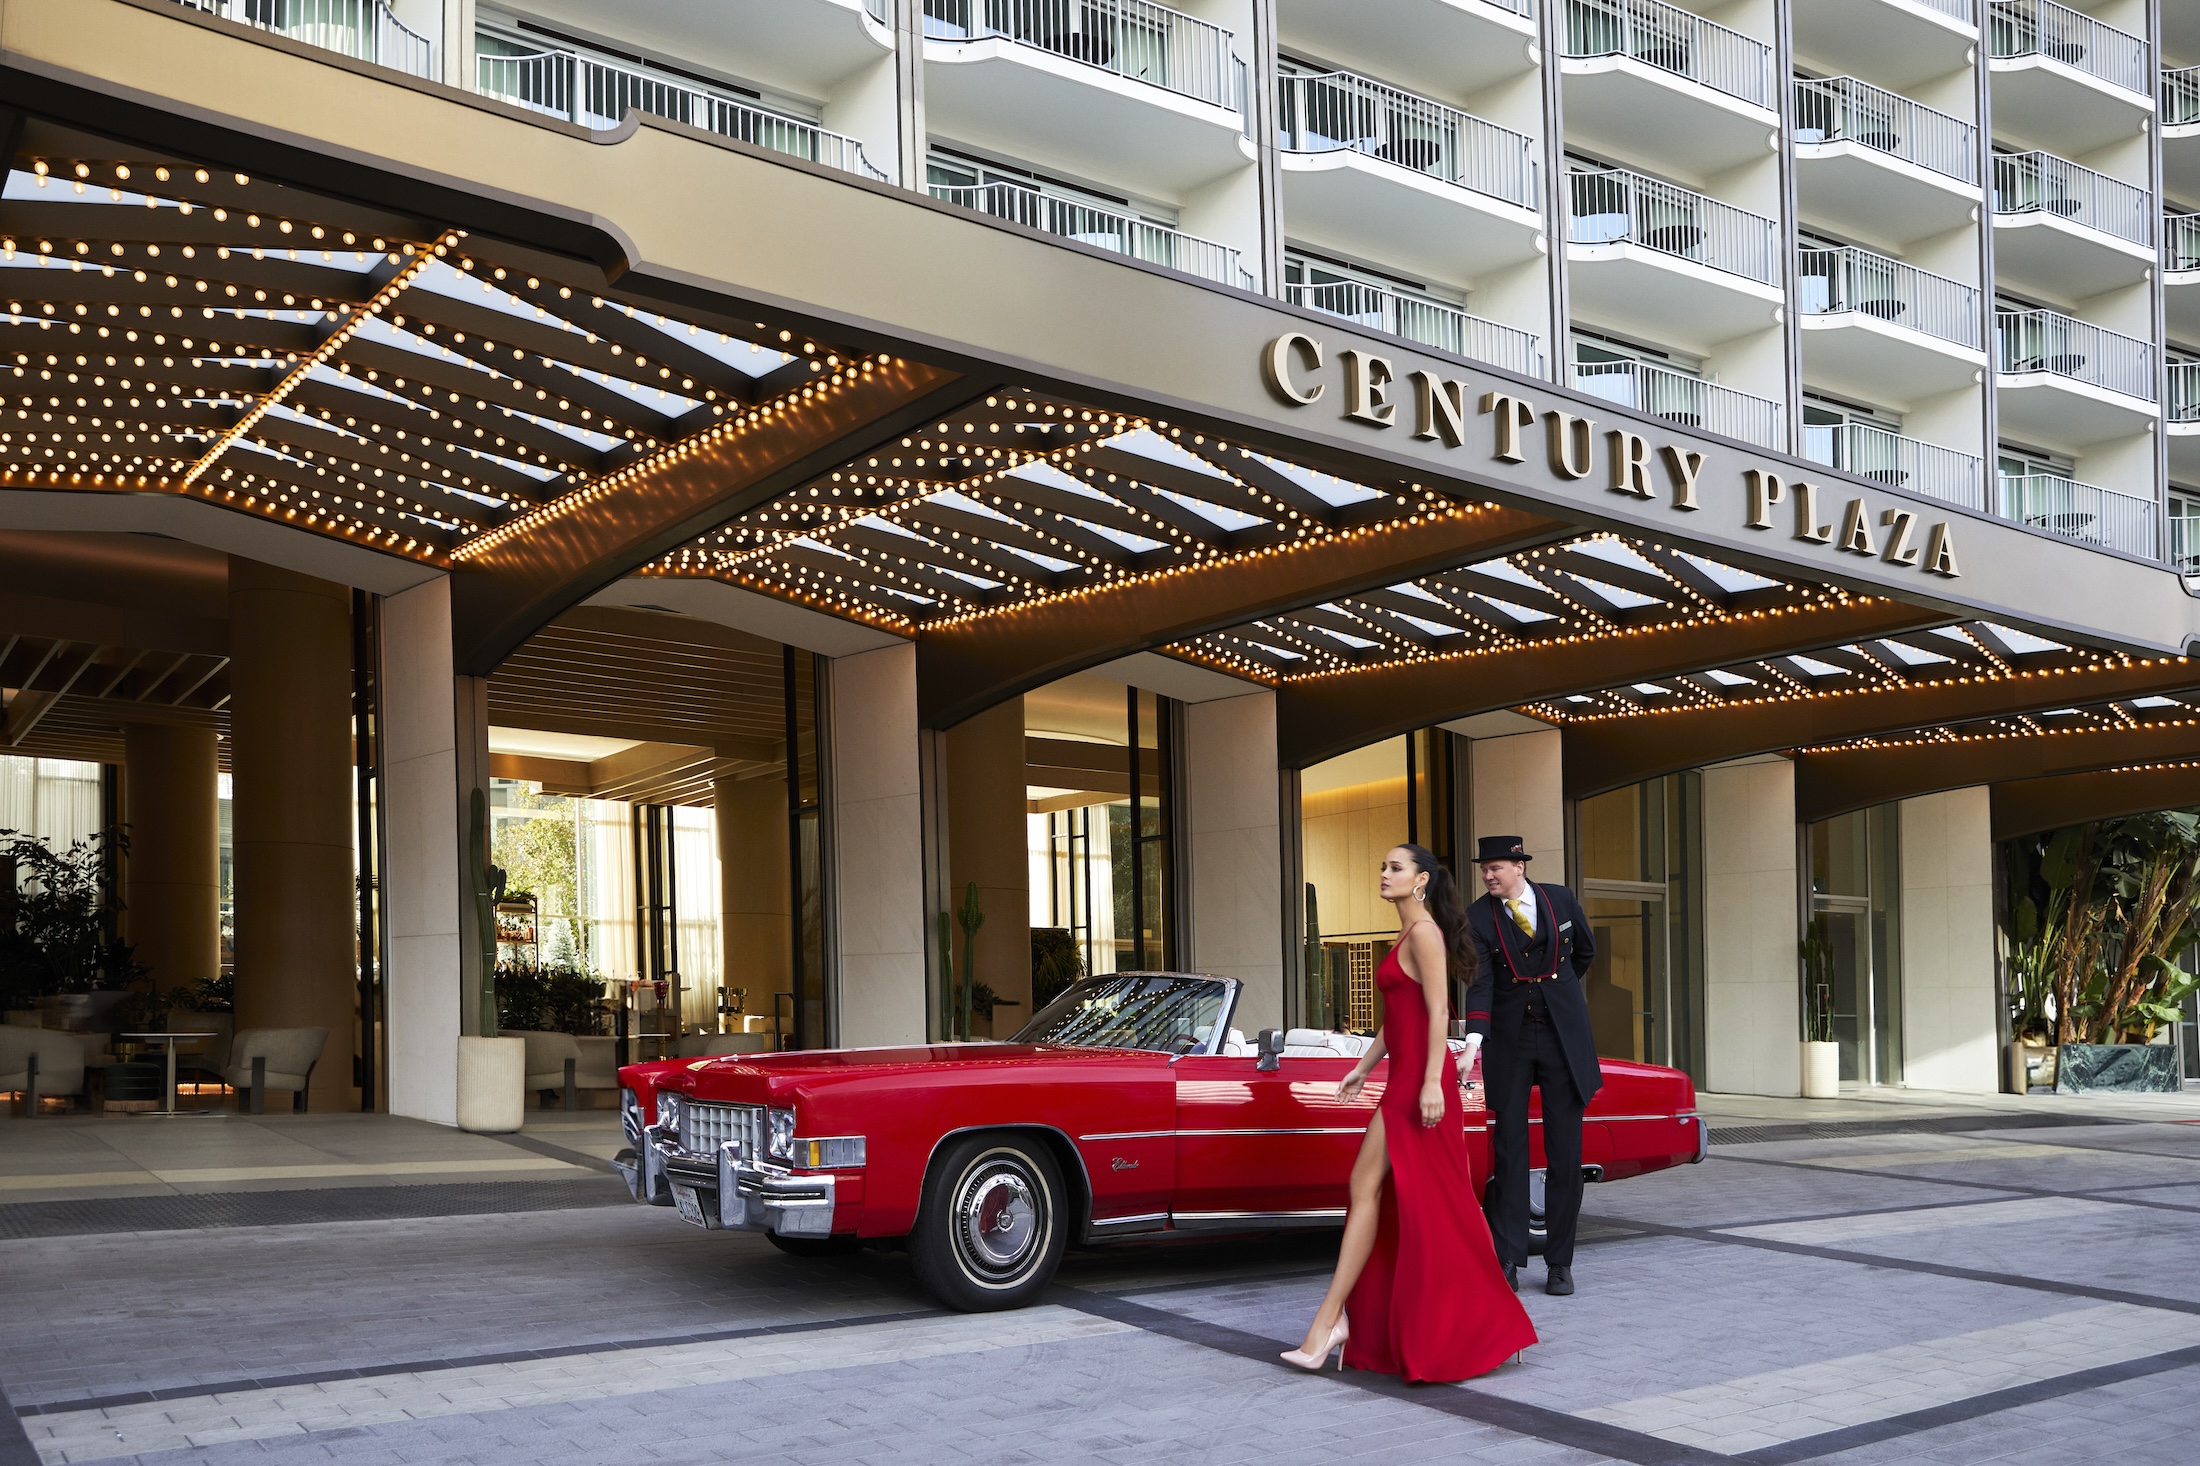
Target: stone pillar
[1949,1032]
[878,848]
[172,898]
[989,843]
[290,782]
[756,888]
[1752,973]
[1517,783]
[1233,830]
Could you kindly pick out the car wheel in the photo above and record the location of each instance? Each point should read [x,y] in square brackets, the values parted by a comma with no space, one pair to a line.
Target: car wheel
[816,1246]
[1539,1231]
[991,1230]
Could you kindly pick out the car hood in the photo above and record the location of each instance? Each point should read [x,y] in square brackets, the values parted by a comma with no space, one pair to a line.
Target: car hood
[751,1078]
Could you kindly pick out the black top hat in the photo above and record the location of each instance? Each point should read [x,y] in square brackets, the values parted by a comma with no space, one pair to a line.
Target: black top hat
[1501,847]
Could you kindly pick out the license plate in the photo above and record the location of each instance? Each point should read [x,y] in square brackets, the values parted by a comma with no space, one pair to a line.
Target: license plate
[690,1205]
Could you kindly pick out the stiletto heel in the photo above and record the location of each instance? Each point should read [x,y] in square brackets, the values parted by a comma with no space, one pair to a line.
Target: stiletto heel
[1313,1363]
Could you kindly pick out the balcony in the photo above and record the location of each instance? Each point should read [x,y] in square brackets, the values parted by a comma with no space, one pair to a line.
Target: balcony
[2085,512]
[1876,327]
[1901,42]
[1881,162]
[2068,384]
[1453,47]
[1678,397]
[1125,234]
[1662,262]
[1124,90]
[364,30]
[1904,463]
[2062,77]
[1642,73]
[2184,430]
[2181,273]
[806,48]
[1384,174]
[598,93]
[2068,232]
[1429,322]
[2181,132]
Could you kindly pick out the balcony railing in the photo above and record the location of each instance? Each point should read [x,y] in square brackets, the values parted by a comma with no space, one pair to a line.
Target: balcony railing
[2043,28]
[1615,206]
[1904,463]
[1517,7]
[2043,341]
[1337,110]
[2181,96]
[1672,39]
[2082,512]
[1838,281]
[2181,242]
[1963,10]
[1125,234]
[1432,323]
[2184,544]
[1843,109]
[2041,183]
[1132,38]
[598,94]
[1680,398]
[364,30]
[2184,391]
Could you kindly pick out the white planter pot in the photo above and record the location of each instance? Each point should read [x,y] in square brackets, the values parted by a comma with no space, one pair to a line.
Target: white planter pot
[1821,1071]
[492,1084]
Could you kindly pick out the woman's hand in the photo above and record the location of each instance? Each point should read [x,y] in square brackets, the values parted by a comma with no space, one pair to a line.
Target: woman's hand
[1432,1103]
[1348,1088]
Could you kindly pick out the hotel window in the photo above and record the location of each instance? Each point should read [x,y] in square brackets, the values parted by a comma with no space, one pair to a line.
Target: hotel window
[1640,880]
[1847,435]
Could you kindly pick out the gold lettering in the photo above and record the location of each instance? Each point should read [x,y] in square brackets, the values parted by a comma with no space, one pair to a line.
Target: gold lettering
[1899,549]
[1276,367]
[1765,490]
[1440,409]
[1856,530]
[1940,551]
[1630,463]
[1365,377]
[1572,447]
[1513,415]
[1683,464]
[1807,526]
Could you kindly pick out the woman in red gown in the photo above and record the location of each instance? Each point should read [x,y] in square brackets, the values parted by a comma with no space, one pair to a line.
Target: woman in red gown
[1417,1276]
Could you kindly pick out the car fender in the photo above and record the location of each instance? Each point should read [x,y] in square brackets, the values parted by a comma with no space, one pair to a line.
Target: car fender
[1058,1141]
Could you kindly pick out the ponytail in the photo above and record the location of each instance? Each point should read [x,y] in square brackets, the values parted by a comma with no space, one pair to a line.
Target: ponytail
[1449,910]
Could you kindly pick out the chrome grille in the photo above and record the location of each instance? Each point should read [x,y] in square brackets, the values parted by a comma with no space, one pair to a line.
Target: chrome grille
[705,1127]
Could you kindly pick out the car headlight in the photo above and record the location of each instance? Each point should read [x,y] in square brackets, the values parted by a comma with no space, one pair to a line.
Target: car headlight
[780,1143]
[668,1113]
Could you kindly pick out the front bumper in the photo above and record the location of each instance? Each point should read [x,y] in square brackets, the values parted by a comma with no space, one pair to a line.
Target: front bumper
[726,1193]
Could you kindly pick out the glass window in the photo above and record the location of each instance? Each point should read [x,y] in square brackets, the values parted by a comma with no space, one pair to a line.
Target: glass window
[1168,1014]
[1856,930]
[1352,810]
[1640,862]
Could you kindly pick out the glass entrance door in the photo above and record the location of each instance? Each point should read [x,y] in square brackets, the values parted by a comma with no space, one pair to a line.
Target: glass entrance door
[1856,911]
[1640,863]
[1628,986]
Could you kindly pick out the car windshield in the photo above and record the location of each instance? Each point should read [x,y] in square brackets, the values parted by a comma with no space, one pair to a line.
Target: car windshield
[1166,1012]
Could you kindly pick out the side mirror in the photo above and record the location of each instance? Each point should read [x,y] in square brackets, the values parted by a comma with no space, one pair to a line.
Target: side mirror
[1271,1050]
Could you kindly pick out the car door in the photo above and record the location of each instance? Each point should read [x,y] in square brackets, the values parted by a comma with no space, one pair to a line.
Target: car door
[1257,1149]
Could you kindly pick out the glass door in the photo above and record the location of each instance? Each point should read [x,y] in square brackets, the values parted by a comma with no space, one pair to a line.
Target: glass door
[1856,911]
[1640,868]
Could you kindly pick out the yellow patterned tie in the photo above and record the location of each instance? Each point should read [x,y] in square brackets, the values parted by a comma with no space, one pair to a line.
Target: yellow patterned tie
[1519,909]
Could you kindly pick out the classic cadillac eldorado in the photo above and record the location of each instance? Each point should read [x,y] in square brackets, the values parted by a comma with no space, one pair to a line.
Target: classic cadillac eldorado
[1128,1107]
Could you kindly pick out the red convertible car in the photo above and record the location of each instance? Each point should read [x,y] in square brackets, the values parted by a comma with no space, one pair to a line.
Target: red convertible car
[1128,1107]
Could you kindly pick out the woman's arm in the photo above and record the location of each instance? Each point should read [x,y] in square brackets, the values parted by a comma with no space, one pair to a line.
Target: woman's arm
[1431,968]
[1348,1088]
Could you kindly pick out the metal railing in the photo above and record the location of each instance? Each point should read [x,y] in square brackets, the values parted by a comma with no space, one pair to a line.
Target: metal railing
[1125,234]
[1843,109]
[1615,206]
[2184,544]
[2043,28]
[2181,96]
[1839,281]
[1674,40]
[1132,38]
[1963,10]
[2184,391]
[1338,110]
[2044,341]
[2082,512]
[1517,7]
[1430,322]
[1680,398]
[877,10]
[1904,463]
[2041,183]
[364,30]
[2181,241]
[598,94]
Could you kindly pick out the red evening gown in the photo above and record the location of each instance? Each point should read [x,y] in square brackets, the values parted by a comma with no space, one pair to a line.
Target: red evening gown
[1432,1304]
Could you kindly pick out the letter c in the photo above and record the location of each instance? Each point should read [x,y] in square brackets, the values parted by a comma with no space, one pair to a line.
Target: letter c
[1277,362]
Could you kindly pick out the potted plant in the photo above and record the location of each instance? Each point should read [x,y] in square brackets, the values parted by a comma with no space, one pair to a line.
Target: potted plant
[59,950]
[1821,1055]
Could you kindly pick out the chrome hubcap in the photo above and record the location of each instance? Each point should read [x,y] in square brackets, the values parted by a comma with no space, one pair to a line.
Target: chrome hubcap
[997,1219]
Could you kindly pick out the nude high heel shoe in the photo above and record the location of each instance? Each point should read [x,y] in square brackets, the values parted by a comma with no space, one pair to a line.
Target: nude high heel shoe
[1314,1362]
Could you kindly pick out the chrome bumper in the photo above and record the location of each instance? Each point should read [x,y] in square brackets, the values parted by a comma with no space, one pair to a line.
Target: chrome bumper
[1703,1139]
[726,1193]
[639,1164]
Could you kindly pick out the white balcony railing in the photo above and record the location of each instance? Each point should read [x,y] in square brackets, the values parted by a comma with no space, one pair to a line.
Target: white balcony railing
[2184,391]
[2043,28]
[598,94]
[2181,241]
[1430,322]
[1125,234]
[1517,7]
[1337,110]
[1680,398]
[364,30]
[1904,463]
[2082,512]
[1132,38]
[2041,183]
[1838,281]
[1672,39]
[1843,109]
[2181,96]
[1963,10]
[2184,544]
[2043,341]
[1615,206]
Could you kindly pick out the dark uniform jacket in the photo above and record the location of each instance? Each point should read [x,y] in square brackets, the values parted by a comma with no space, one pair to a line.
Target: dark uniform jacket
[1498,1000]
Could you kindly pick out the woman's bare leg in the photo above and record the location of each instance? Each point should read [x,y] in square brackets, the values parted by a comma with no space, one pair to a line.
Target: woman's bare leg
[1363,1214]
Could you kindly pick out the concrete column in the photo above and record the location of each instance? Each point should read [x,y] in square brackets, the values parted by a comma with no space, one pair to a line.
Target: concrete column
[171,792]
[1232,827]
[1949,1034]
[290,784]
[1518,787]
[1752,973]
[755,894]
[988,842]
[878,846]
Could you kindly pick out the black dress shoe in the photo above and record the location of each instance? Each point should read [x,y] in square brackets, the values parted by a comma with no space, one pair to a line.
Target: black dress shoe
[1559,1282]
[1512,1277]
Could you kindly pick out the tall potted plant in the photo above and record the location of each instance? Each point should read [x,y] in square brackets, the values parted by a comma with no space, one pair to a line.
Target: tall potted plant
[58,943]
[1821,1055]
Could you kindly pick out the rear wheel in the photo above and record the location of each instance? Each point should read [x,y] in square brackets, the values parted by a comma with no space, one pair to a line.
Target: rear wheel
[815,1246]
[992,1228]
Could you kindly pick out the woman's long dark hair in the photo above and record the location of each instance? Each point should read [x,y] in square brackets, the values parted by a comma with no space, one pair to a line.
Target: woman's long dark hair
[1449,909]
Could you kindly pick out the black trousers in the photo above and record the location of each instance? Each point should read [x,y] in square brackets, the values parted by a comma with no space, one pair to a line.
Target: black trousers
[1537,1062]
